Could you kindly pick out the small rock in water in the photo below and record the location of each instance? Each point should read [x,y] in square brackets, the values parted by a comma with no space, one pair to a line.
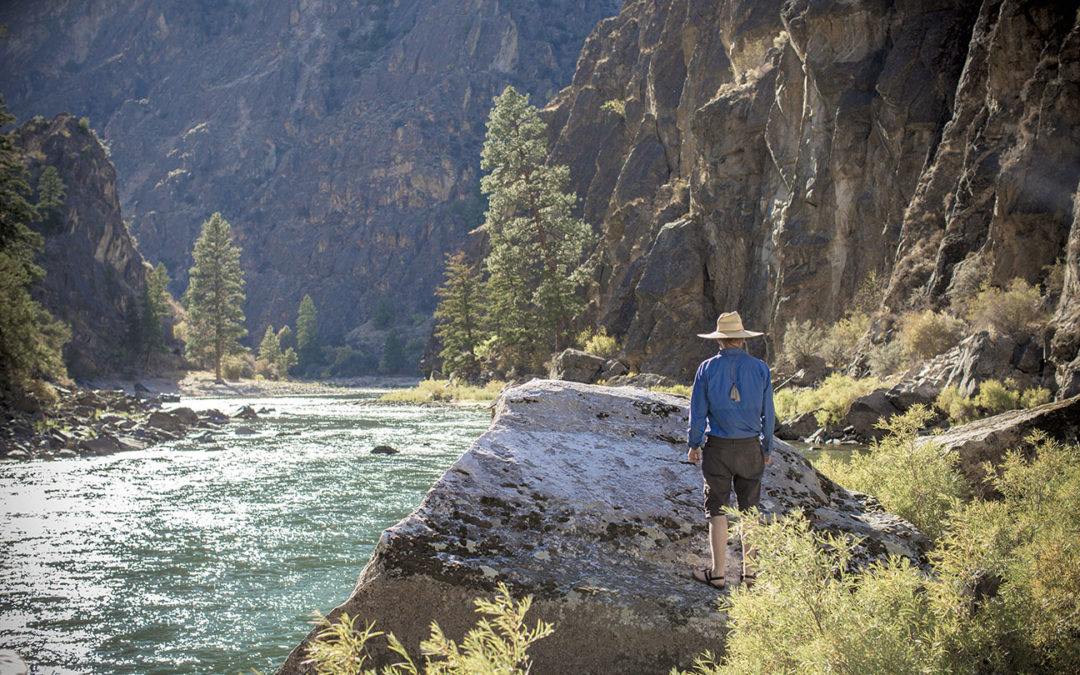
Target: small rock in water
[383,450]
[207,438]
[244,431]
[246,413]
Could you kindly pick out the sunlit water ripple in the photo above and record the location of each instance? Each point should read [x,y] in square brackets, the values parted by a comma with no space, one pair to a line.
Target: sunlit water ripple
[209,558]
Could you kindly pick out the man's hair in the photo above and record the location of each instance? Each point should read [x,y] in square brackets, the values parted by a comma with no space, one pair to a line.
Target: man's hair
[731,343]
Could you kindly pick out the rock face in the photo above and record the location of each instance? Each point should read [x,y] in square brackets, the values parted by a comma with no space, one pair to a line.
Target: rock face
[769,156]
[582,496]
[340,139]
[987,440]
[93,272]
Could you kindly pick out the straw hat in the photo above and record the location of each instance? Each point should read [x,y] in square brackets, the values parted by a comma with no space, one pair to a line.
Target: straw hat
[729,325]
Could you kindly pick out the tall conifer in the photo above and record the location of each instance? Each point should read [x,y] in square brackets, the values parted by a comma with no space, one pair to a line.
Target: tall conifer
[215,296]
[458,314]
[307,333]
[537,246]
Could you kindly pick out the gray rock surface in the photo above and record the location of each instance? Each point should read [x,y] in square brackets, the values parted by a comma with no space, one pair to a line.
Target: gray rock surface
[582,496]
[575,365]
[987,440]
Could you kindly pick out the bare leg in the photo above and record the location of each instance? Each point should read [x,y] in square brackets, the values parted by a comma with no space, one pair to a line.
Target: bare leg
[718,538]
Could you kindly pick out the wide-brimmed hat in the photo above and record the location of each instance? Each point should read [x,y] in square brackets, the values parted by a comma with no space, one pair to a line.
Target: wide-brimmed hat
[729,325]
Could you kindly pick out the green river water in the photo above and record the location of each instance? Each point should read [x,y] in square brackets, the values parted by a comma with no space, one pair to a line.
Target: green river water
[210,557]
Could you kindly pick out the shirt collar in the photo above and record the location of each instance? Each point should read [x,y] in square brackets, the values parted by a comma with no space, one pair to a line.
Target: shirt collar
[730,351]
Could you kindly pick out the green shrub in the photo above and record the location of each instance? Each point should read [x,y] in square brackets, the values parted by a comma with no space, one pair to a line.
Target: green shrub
[842,338]
[993,398]
[237,366]
[959,408]
[1014,311]
[810,613]
[615,106]
[84,124]
[1002,596]
[969,277]
[914,479]
[1028,544]
[598,343]
[926,334]
[802,341]
[444,391]
[996,397]
[830,402]
[887,359]
[497,644]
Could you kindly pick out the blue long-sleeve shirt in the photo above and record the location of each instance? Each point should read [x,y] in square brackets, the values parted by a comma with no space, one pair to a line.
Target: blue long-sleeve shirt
[713,412]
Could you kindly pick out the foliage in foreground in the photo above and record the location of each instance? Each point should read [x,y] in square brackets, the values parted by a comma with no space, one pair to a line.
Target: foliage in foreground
[497,644]
[444,391]
[1004,595]
[915,480]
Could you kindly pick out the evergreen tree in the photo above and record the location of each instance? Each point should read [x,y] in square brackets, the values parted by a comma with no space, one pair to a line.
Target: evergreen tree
[215,296]
[154,301]
[537,246]
[51,195]
[269,353]
[287,343]
[458,313]
[31,341]
[393,353]
[308,349]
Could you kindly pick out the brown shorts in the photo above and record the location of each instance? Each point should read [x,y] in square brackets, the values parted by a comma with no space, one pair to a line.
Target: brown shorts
[731,460]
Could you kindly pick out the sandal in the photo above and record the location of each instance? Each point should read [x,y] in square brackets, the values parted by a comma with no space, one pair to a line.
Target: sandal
[749,579]
[705,576]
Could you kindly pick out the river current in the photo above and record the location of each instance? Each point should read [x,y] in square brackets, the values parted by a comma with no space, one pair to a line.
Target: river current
[193,557]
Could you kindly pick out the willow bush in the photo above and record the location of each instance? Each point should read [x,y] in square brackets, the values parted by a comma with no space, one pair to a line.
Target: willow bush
[911,477]
[1003,594]
[498,644]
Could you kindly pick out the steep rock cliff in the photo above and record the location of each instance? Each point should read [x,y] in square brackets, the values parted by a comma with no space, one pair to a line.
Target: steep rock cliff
[771,156]
[340,138]
[93,271]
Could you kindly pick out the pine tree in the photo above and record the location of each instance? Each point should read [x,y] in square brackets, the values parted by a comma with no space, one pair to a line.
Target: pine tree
[307,334]
[393,353]
[154,301]
[270,353]
[51,195]
[458,315]
[31,341]
[287,343]
[215,296]
[537,246]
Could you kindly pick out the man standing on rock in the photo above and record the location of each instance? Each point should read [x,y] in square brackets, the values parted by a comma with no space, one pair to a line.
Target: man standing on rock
[731,431]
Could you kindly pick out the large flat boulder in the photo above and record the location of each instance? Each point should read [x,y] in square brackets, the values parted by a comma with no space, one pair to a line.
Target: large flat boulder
[581,495]
[987,440]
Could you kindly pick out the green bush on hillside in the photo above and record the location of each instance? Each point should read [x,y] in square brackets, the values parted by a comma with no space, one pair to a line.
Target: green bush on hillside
[1014,311]
[598,343]
[928,333]
[842,338]
[887,359]
[801,343]
[993,398]
[830,402]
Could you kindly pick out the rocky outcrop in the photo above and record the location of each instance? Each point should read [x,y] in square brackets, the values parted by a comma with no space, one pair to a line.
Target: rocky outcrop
[93,271]
[771,156]
[582,497]
[98,422]
[340,139]
[987,440]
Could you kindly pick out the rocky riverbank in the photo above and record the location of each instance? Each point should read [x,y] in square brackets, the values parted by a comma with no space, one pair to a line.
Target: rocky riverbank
[86,422]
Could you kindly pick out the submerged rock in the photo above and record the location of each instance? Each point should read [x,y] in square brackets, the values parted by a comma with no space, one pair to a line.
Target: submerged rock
[384,450]
[582,497]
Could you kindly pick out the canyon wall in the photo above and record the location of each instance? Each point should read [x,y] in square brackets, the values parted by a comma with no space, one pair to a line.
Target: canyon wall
[93,271]
[772,156]
[340,138]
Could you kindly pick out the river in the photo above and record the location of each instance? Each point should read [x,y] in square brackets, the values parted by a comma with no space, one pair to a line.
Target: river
[196,557]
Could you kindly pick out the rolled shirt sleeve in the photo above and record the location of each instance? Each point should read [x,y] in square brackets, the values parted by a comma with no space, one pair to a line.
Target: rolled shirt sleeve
[768,415]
